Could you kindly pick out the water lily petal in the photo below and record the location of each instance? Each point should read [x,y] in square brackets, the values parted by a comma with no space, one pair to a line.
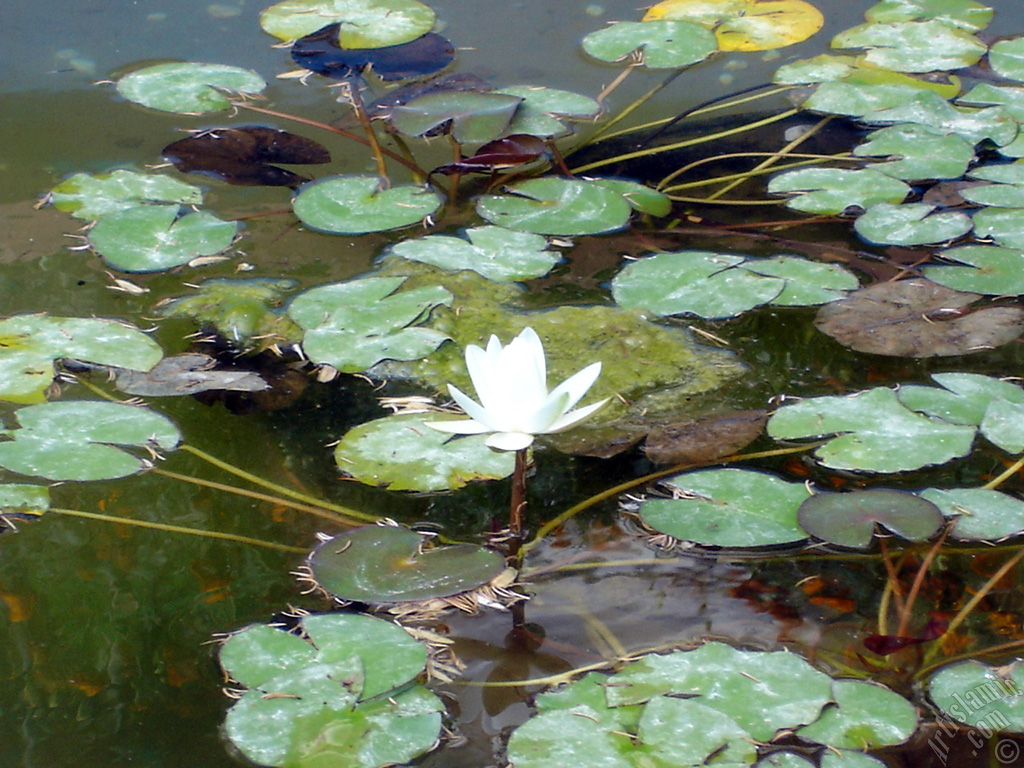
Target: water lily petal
[473,409]
[459,426]
[578,384]
[510,441]
[574,417]
[539,420]
[482,369]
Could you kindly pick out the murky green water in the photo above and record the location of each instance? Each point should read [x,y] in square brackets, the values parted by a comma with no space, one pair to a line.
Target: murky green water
[105,657]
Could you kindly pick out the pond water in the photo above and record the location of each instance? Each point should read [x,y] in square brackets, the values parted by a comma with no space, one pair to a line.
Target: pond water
[106,657]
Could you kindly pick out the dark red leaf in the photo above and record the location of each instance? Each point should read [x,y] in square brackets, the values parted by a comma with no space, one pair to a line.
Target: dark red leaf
[243,155]
[883,645]
[508,152]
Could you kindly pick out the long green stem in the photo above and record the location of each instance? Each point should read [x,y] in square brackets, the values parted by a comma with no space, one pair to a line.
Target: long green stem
[178,529]
[279,489]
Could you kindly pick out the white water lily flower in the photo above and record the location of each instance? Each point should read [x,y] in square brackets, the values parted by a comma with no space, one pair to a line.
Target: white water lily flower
[515,404]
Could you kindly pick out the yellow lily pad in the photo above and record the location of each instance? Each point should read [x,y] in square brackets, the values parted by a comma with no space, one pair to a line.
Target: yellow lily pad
[746,25]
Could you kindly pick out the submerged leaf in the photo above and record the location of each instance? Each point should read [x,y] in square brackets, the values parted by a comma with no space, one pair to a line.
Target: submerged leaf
[21,501]
[849,519]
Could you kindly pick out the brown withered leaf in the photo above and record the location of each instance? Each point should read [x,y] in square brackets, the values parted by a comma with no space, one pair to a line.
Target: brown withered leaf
[704,440]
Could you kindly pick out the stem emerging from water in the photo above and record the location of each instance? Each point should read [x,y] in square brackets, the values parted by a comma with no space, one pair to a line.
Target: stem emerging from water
[518,504]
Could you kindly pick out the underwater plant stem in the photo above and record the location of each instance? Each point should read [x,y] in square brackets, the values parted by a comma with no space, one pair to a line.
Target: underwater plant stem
[892,590]
[915,588]
[352,95]
[334,129]
[517,505]
[1005,475]
[687,143]
[980,595]
[179,529]
[456,176]
[554,523]
[334,517]
[256,480]
[806,159]
[629,109]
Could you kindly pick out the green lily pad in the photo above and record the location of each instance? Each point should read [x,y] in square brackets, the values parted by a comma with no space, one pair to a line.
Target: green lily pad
[1009,97]
[913,46]
[21,501]
[1007,58]
[687,732]
[499,254]
[762,691]
[404,454]
[845,758]
[850,519]
[244,312]
[664,44]
[543,111]
[980,514]
[872,432]
[966,14]
[88,196]
[981,696]
[936,113]
[910,224]
[640,197]
[859,96]
[784,760]
[364,23]
[153,238]
[188,87]
[823,68]
[717,285]
[553,206]
[1005,226]
[866,716]
[379,564]
[471,117]
[76,440]
[834,190]
[991,269]
[728,508]
[352,326]
[341,698]
[29,345]
[355,205]
[922,153]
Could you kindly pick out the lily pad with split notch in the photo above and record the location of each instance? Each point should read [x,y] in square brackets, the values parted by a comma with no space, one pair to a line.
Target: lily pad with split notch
[728,508]
[913,46]
[910,224]
[380,564]
[981,695]
[966,14]
[404,454]
[865,716]
[664,44]
[244,155]
[188,87]
[916,152]
[934,111]
[850,519]
[554,206]
[468,116]
[356,205]
[834,190]
[979,514]
[362,23]
[88,196]
[85,440]
[989,269]
[917,318]
[544,111]
[321,52]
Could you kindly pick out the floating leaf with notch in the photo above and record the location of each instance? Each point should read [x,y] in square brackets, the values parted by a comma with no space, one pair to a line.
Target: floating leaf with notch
[834,190]
[871,431]
[88,196]
[470,117]
[929,109]
[356,205]
[966,14]
[1007,58]
[153,238]
[1005,226]
[404,454]
[244,155]
[553,206]
[76,440]
[866,716]
[381,564]
[728,508]
[849,519]
[542,109]
[363,23]
[990,269]
[354,325]
[746,25]
[496,253]
[188,87]
[910,224]
[664,44]
[922,153]
[29,345]
[980,695]
[641,198]
[321,52]
[917,318]
[979,514]
[913,46]
[344,698]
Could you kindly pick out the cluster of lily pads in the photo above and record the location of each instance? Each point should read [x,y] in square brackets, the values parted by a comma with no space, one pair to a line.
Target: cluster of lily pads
[348,688]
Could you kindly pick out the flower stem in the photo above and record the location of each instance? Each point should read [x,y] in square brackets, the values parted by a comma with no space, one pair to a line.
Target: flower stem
[515,514]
